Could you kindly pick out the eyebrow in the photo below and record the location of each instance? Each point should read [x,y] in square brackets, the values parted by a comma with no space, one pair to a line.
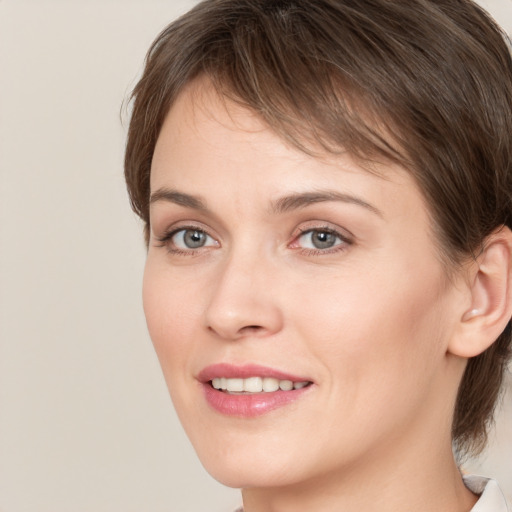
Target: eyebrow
[179,198]
[302,200]
[282,205]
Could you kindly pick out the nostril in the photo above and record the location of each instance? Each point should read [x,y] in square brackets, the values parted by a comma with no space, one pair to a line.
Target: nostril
[247,330]
[251,328]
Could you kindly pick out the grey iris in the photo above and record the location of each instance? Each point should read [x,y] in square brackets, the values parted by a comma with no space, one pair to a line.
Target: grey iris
[194,239]
[323,239]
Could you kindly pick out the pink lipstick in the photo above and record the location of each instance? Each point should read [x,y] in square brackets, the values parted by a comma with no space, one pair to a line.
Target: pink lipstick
[250,390]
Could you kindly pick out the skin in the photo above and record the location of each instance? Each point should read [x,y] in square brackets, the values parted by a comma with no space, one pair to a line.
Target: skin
[370,320]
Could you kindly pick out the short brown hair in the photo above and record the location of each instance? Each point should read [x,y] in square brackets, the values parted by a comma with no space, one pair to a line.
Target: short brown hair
[424,83]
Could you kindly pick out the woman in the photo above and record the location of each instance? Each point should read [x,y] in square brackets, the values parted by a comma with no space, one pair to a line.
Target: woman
[326,191]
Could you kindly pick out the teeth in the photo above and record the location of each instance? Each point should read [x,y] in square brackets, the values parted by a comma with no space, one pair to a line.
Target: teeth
[235,385]
[270,384]
[255,385]
[286,385]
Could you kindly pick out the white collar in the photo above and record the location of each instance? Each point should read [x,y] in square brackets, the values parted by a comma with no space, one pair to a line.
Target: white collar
[491,497]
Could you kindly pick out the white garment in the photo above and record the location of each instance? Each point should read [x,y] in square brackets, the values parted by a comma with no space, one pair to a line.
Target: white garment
[491,497]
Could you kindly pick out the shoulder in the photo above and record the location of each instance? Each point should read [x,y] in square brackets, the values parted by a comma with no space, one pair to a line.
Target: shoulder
[491,497]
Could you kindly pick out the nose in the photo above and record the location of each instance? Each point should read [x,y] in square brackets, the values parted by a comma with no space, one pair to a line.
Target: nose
[242,301]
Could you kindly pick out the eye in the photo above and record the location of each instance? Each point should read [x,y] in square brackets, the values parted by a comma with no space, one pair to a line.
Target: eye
[190,239]
[315,239]
[320,240]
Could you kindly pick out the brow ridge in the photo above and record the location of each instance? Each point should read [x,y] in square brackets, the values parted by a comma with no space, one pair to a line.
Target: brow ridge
[304,199]
[282,205]
[179,198]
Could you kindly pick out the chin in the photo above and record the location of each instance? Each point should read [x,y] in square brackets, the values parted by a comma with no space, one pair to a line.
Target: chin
[247,475]
[247,463]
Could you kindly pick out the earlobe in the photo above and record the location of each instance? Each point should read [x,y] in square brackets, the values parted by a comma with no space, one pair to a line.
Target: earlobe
[491,300]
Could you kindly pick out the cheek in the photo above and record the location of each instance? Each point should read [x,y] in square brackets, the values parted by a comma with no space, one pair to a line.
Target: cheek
[169,307]
[378,340]
[377,329]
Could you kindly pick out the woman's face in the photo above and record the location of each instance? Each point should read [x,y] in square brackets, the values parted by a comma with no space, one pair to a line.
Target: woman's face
[268,268]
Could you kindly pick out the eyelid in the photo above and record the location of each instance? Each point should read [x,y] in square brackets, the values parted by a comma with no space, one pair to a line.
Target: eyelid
[345,236]
[178,239]
[319,225]
[170,228]
[165,239]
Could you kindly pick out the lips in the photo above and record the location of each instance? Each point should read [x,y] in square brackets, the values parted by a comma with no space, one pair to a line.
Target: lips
[244,372]
[250,390]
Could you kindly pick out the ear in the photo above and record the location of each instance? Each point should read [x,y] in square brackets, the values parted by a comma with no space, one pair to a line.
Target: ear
[489,287]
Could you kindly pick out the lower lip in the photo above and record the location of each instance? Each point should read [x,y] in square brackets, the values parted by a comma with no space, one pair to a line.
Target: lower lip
[250,405]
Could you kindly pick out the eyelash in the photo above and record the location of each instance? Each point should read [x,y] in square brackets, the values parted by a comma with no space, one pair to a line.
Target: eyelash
[342,245]
[166,241]
[344,241]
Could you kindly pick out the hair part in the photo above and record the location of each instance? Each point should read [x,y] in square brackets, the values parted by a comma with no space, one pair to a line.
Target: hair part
[426,84]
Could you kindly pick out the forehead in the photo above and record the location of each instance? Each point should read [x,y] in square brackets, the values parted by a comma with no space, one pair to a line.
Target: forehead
[203,127]
[202,118]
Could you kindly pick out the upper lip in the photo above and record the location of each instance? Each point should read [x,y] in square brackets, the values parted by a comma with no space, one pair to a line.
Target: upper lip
[232,371]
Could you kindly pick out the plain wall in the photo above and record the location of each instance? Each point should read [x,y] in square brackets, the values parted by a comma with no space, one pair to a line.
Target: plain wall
[85,420]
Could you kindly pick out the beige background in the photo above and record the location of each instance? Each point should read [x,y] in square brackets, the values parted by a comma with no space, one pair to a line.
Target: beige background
[85,421]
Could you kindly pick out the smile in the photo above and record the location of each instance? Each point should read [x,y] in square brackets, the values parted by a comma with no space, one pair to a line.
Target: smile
[249,391]
[256,384]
